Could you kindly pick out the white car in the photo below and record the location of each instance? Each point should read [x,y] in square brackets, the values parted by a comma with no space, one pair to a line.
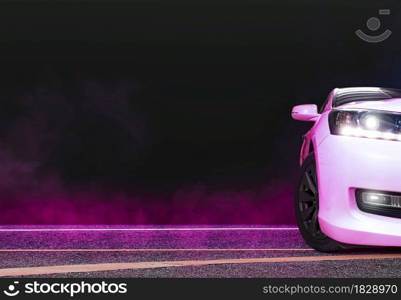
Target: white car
[350,187]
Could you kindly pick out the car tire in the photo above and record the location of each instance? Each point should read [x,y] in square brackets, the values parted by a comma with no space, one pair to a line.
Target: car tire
[307,207]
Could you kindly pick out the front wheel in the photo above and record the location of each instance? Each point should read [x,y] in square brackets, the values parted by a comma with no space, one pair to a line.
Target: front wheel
[307,208]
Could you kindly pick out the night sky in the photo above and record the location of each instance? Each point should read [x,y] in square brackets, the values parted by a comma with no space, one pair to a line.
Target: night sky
[171,112]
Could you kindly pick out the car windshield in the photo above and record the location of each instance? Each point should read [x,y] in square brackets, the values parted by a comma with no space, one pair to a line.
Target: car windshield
[347,95]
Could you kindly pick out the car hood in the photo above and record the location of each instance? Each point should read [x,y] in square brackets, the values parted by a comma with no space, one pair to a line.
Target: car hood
[393,105]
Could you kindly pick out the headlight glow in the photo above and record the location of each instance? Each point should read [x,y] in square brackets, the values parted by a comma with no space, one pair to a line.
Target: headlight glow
[371,122]
[366,124]
[379,202]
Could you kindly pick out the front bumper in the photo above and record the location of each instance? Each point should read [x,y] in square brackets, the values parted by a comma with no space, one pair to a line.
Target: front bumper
[345,164]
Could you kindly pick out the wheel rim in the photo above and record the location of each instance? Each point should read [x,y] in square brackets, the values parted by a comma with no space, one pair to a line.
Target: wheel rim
[308,203]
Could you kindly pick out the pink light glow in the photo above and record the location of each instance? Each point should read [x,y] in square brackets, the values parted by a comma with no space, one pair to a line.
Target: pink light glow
[194,205]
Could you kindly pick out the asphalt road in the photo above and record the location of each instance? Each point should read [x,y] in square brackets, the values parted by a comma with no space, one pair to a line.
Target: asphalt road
[181,252]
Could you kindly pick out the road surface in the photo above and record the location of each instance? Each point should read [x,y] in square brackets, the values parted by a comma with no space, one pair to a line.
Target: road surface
[181,251]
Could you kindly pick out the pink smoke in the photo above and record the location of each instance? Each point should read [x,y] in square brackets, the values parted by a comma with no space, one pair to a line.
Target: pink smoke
[33,190]
[271,204]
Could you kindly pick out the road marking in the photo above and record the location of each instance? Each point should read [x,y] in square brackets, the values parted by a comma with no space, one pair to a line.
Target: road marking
[29,271]
[148,229]
[157,250]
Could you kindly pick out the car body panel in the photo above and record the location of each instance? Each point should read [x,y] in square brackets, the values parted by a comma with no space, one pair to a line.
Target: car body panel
[346,164]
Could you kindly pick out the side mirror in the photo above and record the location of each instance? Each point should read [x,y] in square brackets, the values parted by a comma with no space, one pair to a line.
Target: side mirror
[305,112]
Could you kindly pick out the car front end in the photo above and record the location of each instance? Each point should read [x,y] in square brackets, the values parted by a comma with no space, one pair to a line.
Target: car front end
[357,148]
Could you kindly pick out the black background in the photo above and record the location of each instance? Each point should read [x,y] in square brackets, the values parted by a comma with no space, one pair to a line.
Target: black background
[160,95]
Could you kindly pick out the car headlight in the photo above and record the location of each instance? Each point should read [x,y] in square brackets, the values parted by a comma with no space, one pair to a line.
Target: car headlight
[366,124]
